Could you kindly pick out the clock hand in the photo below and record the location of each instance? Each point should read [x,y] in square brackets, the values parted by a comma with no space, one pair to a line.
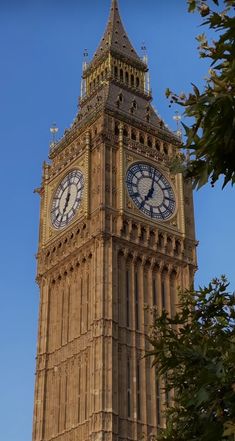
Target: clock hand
[149,195]
[67,200]
[151,190]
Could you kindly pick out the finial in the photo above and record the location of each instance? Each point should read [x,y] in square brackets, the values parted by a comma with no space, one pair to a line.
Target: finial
[144,53]
[54,130]
[114,4]
[84,67]
[145,60]
[177,118]
[85,56]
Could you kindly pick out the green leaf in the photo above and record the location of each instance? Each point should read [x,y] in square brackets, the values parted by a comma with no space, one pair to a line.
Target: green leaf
[196,355]
[191,5]
[229,428]
[168,93]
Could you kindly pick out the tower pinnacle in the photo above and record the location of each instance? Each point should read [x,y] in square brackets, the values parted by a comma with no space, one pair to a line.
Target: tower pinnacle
[115,38]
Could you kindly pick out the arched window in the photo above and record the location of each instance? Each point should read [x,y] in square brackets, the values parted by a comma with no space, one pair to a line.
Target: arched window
[158,146]
[127,77]
[150,142]
[116,130]
[165,149]
[160,241]
[121,74]
[125,132]
[132,81]
[169,245]
[133,135]
[115,71]
[137,82]
[141,139]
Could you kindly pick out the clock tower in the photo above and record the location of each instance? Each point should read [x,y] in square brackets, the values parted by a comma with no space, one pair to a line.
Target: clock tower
[116,234]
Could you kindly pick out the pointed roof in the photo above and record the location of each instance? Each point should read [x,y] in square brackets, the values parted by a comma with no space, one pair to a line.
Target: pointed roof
[115,38]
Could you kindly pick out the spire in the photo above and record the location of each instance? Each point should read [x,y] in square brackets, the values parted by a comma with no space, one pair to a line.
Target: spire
[115,38]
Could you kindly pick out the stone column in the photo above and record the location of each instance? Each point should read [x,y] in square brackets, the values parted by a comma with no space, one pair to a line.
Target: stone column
[39,401]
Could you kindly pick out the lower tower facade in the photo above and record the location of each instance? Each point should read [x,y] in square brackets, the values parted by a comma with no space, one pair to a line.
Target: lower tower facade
[116,235]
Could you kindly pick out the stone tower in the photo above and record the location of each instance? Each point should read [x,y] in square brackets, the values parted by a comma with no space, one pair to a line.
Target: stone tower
[116,234]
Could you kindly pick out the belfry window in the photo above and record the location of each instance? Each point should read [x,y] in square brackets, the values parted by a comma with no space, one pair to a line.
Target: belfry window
[116,130]
[121,75]
[132,80]
[158,146]
[141,139]
[177,247]
[115,71]
[137,82]
[133,135]
[125,132]
[127,77]
[150,142]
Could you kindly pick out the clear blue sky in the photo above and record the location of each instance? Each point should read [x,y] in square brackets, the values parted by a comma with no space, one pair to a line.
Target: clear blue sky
[41,46]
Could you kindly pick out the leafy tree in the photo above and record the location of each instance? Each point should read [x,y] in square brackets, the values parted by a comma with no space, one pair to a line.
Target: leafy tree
[195,351]
[210,139]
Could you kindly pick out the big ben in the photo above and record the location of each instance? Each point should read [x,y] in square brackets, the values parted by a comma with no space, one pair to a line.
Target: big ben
[116,234]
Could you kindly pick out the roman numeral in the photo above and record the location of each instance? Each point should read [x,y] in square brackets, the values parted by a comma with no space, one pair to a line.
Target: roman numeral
[169,199]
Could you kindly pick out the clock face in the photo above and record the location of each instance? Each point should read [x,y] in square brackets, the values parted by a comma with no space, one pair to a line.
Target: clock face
[150,191]
[67,199]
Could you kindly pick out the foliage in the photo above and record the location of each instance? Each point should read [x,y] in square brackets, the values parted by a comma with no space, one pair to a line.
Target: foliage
[195,351]
[211,137]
